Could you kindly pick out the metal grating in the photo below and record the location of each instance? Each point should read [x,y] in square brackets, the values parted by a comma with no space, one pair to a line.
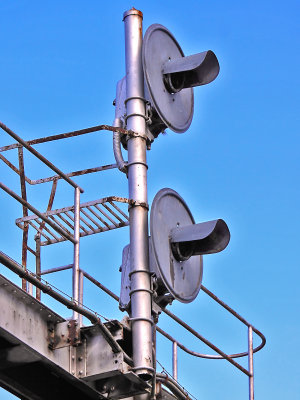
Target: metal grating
[95,217]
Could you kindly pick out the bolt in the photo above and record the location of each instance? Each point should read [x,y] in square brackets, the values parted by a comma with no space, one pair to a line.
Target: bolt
[80,358]
[73,357]
[80,372]
[69,325]
[73,372]
[112,388]
[76,323]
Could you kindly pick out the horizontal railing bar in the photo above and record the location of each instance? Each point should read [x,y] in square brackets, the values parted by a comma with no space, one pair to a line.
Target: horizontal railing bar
[15,267]
[39,156]
[57,269]
[200,355]
[75,173]
[193,353]
[102,287]
[35,211]
[13,167]
[207,342]
[68,135]
[238,316]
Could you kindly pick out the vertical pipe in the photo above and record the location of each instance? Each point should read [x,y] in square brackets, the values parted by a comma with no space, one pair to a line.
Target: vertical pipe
[25,214]
[80,296]
[137,181]
[175,362]
[250,362]
[76,249]
[38,262]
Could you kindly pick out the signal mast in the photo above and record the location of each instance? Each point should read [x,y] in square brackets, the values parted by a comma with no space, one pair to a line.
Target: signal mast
[117,359]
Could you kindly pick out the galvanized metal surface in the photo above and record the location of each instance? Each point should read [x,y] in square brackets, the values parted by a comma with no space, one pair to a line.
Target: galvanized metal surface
[32,334]
[137,181]
[94,353]
[174,109]
[181,278]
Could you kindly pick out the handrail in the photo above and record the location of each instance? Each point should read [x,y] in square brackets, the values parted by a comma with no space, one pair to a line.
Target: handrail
[65,135]
[73,305]
[212,356]
[178,320]
[207,342]
[36,212]
[39,156]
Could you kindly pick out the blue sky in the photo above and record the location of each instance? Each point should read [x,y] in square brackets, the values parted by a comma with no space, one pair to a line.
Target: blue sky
[60,62]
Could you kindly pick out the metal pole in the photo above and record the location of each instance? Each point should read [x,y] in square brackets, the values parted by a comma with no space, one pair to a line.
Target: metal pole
[250,361]
[38,263]
[25,214]
[137,181]
[76,270]
[175,362]
[80,296]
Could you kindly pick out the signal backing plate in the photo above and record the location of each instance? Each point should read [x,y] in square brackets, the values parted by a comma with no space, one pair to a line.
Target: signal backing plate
[175,109]
[182,278]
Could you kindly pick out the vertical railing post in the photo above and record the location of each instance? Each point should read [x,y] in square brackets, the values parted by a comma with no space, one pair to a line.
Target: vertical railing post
[25,214]
[138,213]
[80,295]
[250,362]
[38,262]
[175,361]
[75,269]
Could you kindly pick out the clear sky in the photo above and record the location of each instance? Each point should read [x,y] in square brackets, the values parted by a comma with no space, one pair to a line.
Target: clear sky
[60,62]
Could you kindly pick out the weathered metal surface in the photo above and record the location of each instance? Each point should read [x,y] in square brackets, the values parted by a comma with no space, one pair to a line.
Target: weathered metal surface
[36,212]
[38,155]
[33,335]
[64,135]
[114,219]
[182,279]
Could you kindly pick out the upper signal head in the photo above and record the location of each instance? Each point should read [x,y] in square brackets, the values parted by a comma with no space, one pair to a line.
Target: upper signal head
[170,77]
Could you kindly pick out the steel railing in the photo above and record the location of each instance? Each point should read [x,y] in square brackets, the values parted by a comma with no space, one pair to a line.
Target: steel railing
[60,225]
